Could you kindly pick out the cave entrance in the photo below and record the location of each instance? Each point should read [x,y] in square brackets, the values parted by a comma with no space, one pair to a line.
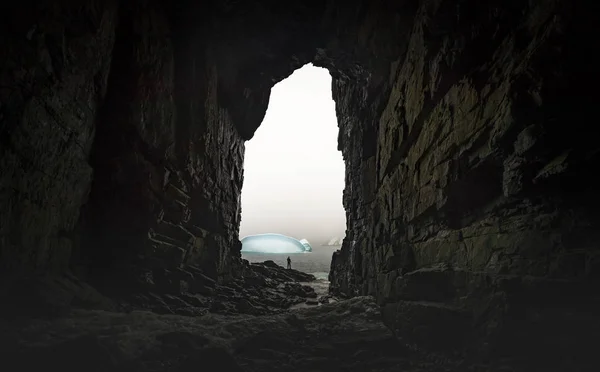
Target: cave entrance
[294,174]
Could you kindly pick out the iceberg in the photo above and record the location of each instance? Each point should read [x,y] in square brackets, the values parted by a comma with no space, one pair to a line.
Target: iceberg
[334,242]
[274,243]
[306,244]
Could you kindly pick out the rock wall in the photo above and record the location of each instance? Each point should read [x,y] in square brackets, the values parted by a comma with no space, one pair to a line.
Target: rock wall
[470,198]
[53,78]
[470,163]
[116,153]
[167,159]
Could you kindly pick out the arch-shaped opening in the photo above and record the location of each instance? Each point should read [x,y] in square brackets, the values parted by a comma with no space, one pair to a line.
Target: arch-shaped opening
[294,175]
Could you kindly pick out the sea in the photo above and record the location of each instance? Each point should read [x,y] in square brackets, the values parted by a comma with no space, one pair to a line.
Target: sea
[317,262]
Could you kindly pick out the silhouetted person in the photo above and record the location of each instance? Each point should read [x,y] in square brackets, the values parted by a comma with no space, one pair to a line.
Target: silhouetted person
[289,260]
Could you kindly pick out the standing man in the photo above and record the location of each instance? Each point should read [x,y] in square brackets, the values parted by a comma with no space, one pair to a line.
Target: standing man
[289,261]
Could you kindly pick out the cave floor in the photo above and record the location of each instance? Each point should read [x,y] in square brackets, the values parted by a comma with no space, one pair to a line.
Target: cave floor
[343,336]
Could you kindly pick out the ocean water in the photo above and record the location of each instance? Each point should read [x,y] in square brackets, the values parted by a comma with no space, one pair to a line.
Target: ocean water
[317,262]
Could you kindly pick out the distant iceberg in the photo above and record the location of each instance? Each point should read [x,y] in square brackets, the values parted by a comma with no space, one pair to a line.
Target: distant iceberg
[274,243]
[334,242]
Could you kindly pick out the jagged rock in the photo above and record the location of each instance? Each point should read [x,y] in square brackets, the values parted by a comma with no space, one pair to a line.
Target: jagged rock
[262,289]
[273,271]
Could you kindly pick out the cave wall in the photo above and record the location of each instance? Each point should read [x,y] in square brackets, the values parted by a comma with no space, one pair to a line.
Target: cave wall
[470,197]
[117,156]
[53,76]
[477,161]
[167,159]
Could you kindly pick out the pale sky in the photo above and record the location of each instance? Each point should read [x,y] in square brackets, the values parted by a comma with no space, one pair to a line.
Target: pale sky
[293,172]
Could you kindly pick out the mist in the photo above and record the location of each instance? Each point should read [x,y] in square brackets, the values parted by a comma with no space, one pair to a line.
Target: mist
[293,172]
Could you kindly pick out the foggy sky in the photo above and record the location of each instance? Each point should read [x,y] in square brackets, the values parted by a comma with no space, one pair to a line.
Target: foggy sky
[293,172]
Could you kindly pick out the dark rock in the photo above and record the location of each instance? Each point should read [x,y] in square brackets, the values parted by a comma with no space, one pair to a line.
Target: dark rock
[81,353]
[212,359]
[272,270]
[299,290]
[428,325]
[270,263]
[261,289]
[183,340]
[50,296]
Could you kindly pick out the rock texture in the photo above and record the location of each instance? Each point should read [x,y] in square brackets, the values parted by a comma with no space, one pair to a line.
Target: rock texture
[471,196]
[469,163]
[469,166]
[261,288]
[53,78]
[348,336]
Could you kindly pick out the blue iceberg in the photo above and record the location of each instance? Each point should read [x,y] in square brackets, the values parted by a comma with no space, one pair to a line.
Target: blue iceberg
[274,243]
[306,244]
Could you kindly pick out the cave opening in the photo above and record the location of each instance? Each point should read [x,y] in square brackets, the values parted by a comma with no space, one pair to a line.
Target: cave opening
[294,175]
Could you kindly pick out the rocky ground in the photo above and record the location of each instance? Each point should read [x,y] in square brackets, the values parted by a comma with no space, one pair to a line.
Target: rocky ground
[263,288]
[270,319]
[344,336]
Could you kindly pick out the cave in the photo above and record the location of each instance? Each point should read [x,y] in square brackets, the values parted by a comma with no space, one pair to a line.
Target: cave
[471,197]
